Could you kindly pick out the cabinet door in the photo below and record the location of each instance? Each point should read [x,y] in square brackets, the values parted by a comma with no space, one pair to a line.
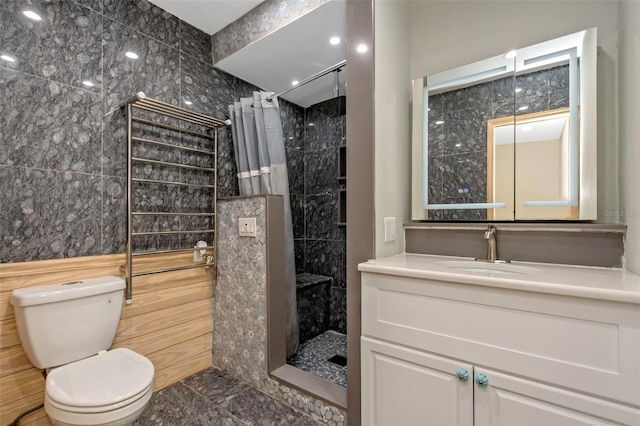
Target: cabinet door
[511,401]
[405,387]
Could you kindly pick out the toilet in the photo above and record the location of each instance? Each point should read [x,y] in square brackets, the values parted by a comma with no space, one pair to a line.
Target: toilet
[68,328]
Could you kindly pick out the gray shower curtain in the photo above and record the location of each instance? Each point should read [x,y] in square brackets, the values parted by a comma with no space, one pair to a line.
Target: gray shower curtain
[258,142]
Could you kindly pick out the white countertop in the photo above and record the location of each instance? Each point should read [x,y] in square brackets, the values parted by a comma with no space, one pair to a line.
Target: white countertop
[579,281]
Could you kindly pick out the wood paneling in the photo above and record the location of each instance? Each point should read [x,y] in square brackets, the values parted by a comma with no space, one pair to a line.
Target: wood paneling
[179,361]
[169,321]
[8,333]
[10,411]
[18,385]
[39,418]
[167,337]
[132,327]
[12,360]
[156,300]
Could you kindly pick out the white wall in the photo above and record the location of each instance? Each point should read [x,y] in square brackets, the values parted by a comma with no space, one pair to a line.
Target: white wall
[447,34]
[392,120]
[629,130]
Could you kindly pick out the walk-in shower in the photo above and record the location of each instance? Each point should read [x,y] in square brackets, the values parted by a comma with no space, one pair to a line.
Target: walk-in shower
[320,234]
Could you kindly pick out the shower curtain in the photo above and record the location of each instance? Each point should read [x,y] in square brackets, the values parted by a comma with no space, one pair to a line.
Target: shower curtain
[258,142]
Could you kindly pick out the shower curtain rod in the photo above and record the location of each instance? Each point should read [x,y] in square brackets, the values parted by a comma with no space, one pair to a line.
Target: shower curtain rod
[309,79]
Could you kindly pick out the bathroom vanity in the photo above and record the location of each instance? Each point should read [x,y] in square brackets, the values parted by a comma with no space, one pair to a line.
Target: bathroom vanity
[450,341]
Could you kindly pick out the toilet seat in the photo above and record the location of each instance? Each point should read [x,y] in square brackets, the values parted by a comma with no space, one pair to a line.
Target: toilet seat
[102,380]
[100,408]
[124,415]
[99,389]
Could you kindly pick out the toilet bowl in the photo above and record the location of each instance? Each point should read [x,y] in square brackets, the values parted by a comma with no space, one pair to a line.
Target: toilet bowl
[111,388]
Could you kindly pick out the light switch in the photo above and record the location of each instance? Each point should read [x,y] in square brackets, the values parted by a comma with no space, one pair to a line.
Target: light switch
[389,229]
[247,227]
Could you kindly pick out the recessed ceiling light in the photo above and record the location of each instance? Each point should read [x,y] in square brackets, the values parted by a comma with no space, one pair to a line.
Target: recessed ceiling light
[511,54]
[290,138]
[32,15]
[311,124]
[334,40]
[362,48]
[518,89]
[458,145]
[7,58]
[87,83]
[295,82]
[428,109]
[439,122]
[523,108]
[188,103]
[131,55]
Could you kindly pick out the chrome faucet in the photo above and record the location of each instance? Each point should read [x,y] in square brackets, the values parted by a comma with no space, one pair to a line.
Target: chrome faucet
[492,245]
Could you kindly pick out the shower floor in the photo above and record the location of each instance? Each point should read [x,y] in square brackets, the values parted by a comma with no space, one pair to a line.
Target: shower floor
[313,356]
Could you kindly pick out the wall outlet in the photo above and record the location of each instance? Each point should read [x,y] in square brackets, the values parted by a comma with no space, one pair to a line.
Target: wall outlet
[389,229]
[199,251]
[247,227]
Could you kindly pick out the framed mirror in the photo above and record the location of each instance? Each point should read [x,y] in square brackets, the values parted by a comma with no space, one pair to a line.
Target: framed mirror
[479,149]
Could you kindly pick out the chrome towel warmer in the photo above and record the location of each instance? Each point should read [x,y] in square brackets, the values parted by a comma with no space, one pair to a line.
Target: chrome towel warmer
[209,125]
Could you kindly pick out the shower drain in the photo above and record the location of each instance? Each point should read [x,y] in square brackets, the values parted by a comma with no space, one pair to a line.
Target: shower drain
[339,359]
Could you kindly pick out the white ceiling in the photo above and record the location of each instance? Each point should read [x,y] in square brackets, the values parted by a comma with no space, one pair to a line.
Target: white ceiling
[209,16]
[295,52]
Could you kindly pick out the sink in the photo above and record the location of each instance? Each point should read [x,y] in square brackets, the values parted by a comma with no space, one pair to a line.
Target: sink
[488,267]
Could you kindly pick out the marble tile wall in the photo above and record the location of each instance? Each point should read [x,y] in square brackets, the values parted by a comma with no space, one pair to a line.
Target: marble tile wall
[320,242]
[62,162]
[239,338]
[458,133]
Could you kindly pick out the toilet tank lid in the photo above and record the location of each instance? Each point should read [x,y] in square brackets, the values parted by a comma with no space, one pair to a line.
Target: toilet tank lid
[76,289]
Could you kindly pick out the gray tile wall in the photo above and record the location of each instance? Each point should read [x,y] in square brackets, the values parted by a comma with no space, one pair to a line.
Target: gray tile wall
[458,147]
[62,162]
[312,155]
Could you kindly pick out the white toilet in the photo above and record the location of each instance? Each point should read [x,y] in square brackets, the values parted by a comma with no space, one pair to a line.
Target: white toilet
[68,327]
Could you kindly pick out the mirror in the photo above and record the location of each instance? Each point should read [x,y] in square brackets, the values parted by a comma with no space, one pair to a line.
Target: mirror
[512,137]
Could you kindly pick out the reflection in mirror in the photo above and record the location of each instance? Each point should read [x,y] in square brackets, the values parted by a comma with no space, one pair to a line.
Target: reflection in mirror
[464,176]
[540,145]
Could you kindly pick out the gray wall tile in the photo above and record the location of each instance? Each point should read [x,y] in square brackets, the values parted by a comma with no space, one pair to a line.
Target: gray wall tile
[65,46]
[46,124]
[48,214]
[51,123]
[195,43]
[146,18]
[156,72]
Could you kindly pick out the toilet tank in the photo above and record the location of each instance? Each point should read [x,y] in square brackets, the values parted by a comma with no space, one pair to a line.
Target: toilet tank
[61,323]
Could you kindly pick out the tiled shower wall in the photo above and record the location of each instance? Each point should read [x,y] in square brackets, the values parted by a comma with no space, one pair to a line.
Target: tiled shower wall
[313,175]
[458,146]
[62,162]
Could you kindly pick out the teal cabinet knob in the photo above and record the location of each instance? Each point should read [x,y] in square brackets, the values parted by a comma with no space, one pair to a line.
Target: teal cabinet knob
[462,374]
[481,380]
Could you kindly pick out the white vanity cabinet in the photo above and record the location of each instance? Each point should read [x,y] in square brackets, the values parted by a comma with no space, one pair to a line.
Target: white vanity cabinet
[548,353]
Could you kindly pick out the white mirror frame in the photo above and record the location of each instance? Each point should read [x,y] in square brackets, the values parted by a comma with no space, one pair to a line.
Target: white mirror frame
[582,103]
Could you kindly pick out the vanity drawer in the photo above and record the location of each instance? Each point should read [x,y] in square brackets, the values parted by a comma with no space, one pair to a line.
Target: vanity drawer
[588,345]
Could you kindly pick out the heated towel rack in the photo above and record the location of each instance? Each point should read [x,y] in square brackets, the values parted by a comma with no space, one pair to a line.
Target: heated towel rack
[154,114]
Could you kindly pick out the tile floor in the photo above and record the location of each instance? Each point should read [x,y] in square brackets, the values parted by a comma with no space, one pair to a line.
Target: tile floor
[212,397]
[313,356]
